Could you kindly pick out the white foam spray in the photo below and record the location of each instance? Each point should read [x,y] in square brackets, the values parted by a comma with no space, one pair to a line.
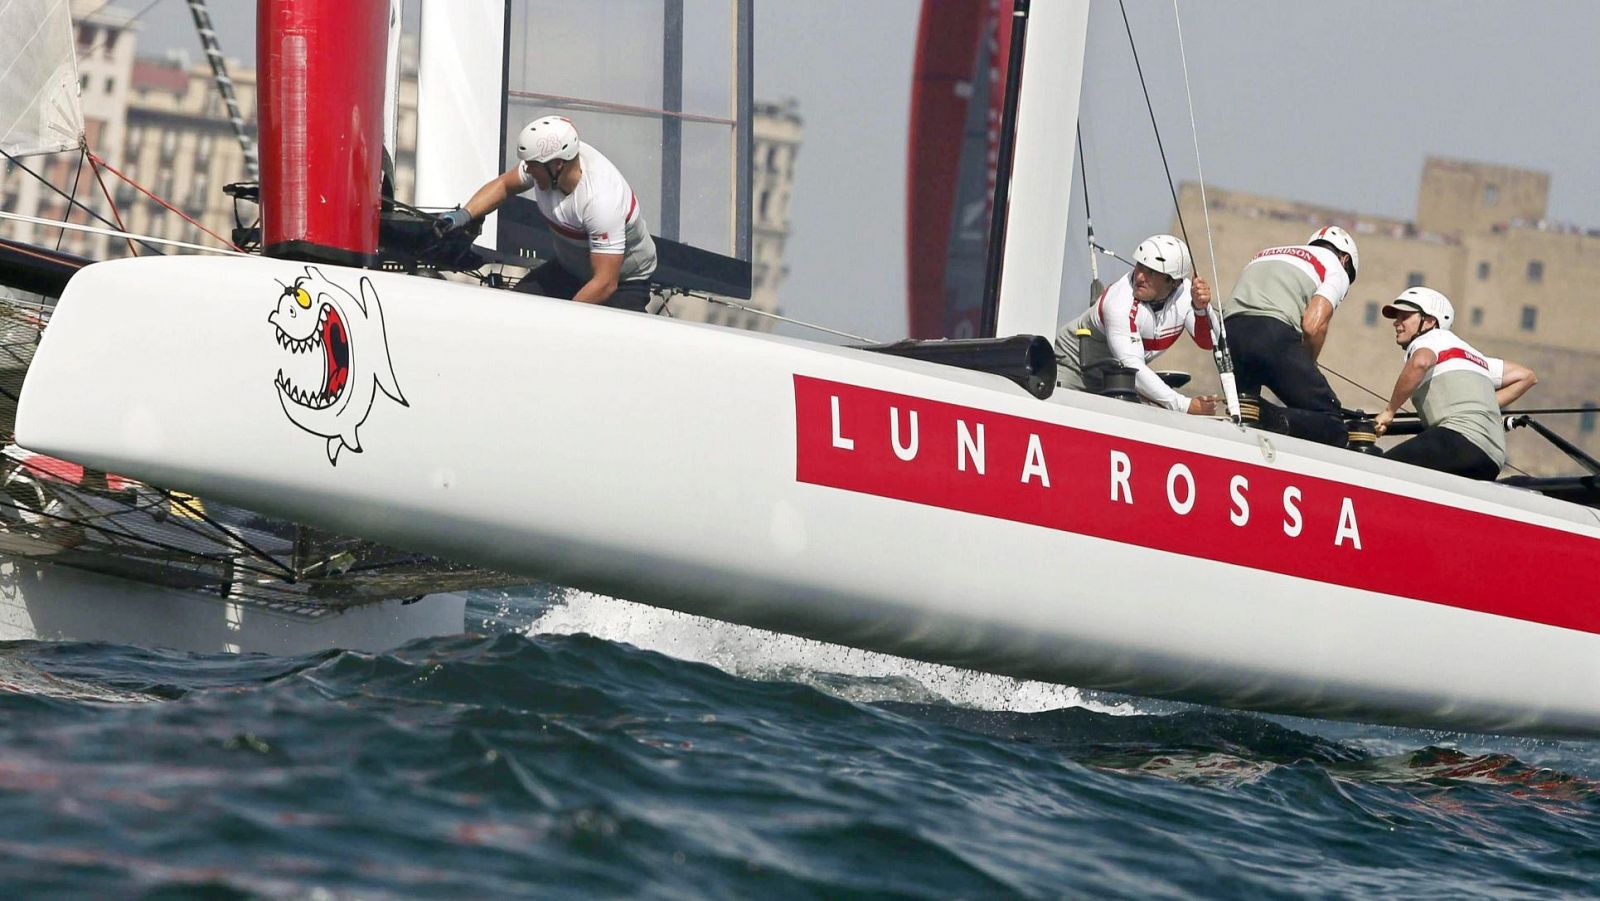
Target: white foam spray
[756,654]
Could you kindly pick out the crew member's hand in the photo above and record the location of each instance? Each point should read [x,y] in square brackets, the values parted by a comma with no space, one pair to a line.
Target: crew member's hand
[1203,405]
[445,223]
[1200,295]
[1384,418]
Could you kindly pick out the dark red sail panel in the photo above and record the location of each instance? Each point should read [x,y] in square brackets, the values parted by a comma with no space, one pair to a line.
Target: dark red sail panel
[958,86]
[321,70]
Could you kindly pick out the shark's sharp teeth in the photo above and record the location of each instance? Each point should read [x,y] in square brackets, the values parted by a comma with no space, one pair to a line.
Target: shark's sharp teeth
[324,316]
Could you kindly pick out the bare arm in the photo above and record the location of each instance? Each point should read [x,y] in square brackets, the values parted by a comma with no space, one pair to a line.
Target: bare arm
[1314,324]
[1406,385]
[488,198]
[606,266]
[1514,383]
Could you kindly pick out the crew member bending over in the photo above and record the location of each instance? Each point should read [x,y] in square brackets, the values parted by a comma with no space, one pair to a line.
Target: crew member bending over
[1137,317]
[604,252]
[1458,392]
[1278,317]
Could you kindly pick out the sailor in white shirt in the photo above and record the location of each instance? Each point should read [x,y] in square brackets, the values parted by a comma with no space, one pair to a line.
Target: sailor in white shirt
[1137,318]
[1458,391]
[604,252]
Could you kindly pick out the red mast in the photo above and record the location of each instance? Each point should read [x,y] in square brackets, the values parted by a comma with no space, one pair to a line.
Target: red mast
[321,113]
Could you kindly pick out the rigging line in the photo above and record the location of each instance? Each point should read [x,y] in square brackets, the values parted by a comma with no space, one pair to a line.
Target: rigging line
[201,514]
[46,182]
[185,216]
[1194,125]
[101,8]
[759,312]
[132,251]
[77,176]
[1088,216]
[1330,370]
[117,233]
[1220,353]
[1153,126]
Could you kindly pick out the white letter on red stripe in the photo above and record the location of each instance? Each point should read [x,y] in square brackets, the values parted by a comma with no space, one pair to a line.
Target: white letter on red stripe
[965,446]
[1121,469]
[1240,514]
[1179,471]
[1035,463]
[1292,525]
[1347,525]
[839,440]
[909,452]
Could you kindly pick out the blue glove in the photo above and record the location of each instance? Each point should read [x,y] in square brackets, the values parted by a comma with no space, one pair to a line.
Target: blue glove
[454,220]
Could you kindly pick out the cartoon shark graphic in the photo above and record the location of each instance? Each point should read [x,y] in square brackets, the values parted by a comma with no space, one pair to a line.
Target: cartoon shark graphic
[338,358]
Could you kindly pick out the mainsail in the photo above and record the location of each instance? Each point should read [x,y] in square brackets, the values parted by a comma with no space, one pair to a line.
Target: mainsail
[39,110]
[661,87]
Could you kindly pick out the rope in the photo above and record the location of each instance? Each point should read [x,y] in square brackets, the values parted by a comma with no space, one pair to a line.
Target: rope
[77,176]
[669,293]
[132,251]
[185,216]
[117,233]
[1088,216]
[46,182]
[1151,108]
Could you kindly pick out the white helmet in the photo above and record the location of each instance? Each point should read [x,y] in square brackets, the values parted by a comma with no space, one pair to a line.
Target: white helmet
[1426,301]
[1342,242]
[1164,254]
[548,138]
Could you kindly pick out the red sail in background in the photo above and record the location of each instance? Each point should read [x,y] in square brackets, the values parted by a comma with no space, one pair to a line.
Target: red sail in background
[321,67]
[958,91]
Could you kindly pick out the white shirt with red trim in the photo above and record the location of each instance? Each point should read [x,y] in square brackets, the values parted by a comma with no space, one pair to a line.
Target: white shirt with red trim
[601,215]
[1457,392]
[1280,282]
[1136,333]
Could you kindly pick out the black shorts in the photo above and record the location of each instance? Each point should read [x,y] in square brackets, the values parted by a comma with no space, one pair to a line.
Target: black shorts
[1269,353]
[1446,451]
[553,280]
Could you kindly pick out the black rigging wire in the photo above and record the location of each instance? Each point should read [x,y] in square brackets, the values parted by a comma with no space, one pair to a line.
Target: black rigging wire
[73,201]
[1151,108]
[83,154]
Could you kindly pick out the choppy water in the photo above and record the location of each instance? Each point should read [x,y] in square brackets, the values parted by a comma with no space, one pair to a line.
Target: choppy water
[533,760]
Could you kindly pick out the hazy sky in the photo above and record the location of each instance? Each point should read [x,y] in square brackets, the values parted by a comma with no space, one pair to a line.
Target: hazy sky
[1291,99]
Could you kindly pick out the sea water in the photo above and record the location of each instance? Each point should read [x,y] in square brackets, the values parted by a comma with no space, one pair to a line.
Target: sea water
[575,746]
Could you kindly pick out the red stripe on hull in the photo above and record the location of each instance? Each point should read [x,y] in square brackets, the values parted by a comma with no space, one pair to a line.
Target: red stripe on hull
[1347,535]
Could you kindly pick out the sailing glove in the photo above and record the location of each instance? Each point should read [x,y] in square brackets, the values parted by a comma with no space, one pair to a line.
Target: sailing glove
[454,220]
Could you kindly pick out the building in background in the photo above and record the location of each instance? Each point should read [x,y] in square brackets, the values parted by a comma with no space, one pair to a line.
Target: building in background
[775,142]
[162,123]
[1520,285]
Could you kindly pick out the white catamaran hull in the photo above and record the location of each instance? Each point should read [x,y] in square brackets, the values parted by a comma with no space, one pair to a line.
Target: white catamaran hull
[857,498]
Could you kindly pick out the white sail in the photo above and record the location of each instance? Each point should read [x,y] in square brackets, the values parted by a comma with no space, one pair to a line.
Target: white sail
[1041,180]
[460,90]
[39,109]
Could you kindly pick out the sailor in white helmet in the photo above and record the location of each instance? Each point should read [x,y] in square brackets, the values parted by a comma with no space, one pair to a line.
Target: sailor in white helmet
[1277,318]
[1136,318]
[1458,391]
[604,252]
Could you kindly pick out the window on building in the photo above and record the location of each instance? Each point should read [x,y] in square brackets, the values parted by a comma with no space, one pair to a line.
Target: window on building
[1415,279]
[1535,270]
[1586,421]
[111,85]
[1483,270]
[1491,195]
[1371,316]
[169,144]
[1530,318]
[1477,315]
[83,84]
